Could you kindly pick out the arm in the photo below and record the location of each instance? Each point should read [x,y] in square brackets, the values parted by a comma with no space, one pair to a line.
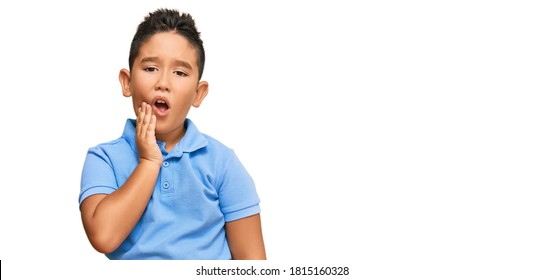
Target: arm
[245,238]
[109,219]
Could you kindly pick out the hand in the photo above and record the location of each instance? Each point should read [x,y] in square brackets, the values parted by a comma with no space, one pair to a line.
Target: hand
[148,150]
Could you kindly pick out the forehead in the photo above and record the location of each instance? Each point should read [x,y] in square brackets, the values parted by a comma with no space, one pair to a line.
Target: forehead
[168,45]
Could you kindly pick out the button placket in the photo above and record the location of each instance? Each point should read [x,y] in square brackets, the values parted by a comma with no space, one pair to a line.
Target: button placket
[166,178]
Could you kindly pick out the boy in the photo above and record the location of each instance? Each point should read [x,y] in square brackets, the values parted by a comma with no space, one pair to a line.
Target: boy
[163,190]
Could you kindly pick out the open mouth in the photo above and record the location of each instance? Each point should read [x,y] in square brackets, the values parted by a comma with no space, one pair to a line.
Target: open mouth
[160,107]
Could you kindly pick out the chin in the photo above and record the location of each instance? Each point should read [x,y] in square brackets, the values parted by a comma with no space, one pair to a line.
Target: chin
[163,127]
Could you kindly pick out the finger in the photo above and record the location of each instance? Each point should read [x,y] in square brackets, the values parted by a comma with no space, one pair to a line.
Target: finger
[141,112]
[148,114]
[151,127]
[139,120]
[146,120]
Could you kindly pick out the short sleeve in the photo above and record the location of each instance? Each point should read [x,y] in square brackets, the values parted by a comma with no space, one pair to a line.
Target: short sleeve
[237,193]
[97,176]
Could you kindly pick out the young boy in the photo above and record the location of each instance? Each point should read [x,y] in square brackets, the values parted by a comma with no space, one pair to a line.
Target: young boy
[163,190]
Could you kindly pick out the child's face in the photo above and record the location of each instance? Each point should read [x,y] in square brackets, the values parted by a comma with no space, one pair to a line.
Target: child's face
[165,75]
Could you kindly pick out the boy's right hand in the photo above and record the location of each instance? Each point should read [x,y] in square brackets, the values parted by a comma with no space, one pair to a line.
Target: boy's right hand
[148,150]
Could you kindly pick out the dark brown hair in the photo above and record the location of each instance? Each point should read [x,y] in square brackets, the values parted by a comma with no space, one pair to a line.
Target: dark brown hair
[164,20]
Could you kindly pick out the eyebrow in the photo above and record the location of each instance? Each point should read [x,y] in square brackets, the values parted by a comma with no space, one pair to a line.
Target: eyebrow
[176,62]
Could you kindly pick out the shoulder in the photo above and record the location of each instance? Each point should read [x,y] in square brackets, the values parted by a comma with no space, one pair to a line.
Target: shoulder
[215,144]
[110,144]
[118,146]
[213,151]
[122,144]
[200,142]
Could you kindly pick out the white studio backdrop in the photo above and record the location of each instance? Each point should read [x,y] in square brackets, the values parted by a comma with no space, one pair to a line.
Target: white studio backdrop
[400,138]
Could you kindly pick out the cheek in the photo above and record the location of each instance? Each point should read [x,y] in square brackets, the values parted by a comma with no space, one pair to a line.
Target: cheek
[185,103]
[141,83]
[135,106]
[139,90]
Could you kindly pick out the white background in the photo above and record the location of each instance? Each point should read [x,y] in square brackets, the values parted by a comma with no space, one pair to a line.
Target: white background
[401,138]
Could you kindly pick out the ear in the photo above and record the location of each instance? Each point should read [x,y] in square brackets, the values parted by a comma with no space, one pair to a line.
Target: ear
[124,79]
[201,92]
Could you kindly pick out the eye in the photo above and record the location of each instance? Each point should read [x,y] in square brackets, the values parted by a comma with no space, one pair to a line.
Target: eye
[151,69]
[180,73]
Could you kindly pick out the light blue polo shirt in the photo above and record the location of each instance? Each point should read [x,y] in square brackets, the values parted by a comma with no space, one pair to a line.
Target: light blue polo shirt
[201,185]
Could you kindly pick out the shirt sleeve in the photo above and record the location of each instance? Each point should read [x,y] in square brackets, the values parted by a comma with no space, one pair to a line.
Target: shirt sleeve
[97,176]
[237,193]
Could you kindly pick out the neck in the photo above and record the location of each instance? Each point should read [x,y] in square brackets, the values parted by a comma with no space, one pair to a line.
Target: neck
[172,138]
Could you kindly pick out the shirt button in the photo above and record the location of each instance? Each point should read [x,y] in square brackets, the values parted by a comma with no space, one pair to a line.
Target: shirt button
[165,164]
[165,185]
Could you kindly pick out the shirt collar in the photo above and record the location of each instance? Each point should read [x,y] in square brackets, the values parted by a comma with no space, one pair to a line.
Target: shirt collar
[192,140]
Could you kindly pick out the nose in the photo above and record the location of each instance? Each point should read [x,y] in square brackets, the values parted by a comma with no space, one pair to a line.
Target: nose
[163,82]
